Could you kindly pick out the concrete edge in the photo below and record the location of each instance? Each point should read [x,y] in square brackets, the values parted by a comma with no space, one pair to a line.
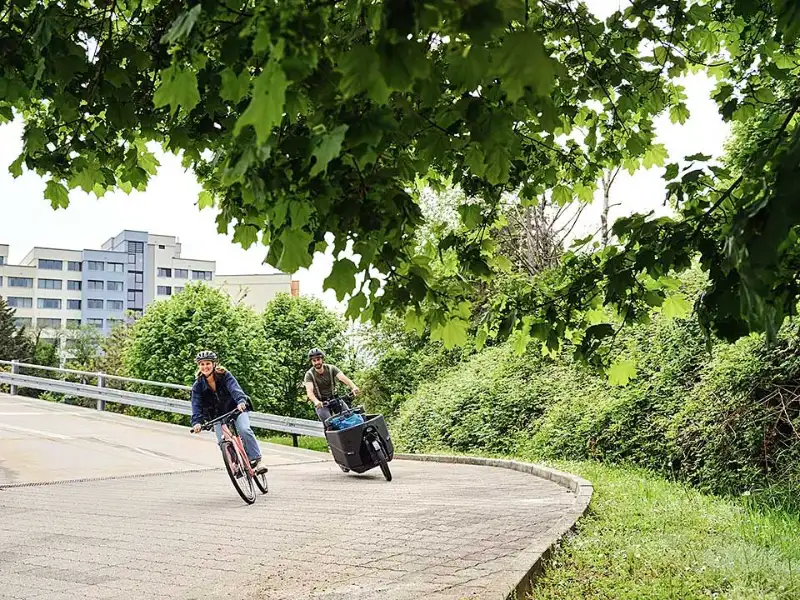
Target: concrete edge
[532,559]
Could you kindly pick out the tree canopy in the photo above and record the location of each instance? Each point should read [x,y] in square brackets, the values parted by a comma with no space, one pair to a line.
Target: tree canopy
[305,118]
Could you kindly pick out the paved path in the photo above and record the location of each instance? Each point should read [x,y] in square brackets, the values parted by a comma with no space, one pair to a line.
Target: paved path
[437,531]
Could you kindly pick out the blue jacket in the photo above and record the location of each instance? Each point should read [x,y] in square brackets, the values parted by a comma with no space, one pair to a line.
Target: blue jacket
[207,405]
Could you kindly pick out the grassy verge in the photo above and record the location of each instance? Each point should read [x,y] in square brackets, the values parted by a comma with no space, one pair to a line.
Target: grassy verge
[648,538]
[309,443]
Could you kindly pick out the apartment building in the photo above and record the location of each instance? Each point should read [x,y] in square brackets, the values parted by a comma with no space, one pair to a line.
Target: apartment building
[55,288]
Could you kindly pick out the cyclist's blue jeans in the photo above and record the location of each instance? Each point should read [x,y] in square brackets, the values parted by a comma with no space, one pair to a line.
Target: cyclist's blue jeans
[246,433]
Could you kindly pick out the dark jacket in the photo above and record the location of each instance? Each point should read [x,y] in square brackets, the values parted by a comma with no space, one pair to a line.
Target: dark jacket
[207,405]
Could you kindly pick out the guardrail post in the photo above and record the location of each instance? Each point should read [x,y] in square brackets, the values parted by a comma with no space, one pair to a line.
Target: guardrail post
[15,371]
[101,383]
[294,440]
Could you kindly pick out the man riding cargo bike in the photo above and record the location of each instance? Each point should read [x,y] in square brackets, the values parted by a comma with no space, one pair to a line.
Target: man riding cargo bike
[358,441]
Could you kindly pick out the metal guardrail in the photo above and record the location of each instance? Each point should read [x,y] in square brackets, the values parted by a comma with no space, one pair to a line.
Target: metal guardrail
[104,394]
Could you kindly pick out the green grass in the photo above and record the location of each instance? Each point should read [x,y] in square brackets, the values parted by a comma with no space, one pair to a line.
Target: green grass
[646,538]
[309,443]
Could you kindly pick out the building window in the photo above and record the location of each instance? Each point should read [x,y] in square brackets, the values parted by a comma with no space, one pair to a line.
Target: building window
[2,260]
[114,305]
[115,267]
[96,265]
[181,273]
[204,275]
[49,303]
[73,265]
[94,304]
[49,284]
[95,284]
[73,324]
[46,263]
[48,323]
[135,247]
[162,247]
[73,285]
[95,322]
[131,259]
[114,286]
[164,290]
[1,280]
[73,304]
[112,323]
[18,302]
[26,282]
[178,290]
[23,322]
[162,272]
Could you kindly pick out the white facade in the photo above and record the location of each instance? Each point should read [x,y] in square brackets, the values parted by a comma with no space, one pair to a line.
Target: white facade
[256,291]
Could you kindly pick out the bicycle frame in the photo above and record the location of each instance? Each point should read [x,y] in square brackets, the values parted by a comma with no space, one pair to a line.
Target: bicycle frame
[231,435]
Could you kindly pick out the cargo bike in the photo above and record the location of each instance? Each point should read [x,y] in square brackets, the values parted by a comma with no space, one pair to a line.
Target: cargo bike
[358,441]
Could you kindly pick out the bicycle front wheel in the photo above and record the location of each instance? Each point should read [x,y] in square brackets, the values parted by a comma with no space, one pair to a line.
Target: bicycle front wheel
[240,476]
[261,482]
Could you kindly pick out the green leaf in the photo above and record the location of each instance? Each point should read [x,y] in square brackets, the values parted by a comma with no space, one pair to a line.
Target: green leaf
[245,235]
[205,200]
[621,372]
[328,148]
[265,110]
[655,155]
[182,26]
[453,333]
[360,69]
[355,306]
[414,322]
[342,278]
[178,89]
[585,193]
[679,113]
[524,62]
[57,194]
[15,168]
[676,306]
[562,194]
[234,87]
[295,254]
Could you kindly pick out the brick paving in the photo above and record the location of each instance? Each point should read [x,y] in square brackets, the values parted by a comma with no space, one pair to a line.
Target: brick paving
[437,531]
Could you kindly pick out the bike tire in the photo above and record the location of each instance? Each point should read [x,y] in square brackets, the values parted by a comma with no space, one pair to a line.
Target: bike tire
[382,459]
[261,482]
[240,476]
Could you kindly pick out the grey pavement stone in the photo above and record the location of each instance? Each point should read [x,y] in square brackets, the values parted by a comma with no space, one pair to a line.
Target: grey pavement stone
[441,531]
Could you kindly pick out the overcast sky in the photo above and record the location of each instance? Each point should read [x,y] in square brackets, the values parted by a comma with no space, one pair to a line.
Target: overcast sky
[168,206]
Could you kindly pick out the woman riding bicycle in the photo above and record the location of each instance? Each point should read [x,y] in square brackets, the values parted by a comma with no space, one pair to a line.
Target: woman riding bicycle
[216,392]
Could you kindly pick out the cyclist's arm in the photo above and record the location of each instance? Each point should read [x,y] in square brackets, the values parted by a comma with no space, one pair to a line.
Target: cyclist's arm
[310,392]
[237,393]
[197,406]
[346,380]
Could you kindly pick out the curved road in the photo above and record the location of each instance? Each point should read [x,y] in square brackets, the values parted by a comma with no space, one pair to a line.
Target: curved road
[154,515]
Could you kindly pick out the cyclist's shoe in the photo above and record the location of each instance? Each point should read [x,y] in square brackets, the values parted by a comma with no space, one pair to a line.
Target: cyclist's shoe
[258,466]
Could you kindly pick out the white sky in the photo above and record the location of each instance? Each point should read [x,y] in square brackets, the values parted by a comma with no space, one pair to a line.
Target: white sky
[168,206]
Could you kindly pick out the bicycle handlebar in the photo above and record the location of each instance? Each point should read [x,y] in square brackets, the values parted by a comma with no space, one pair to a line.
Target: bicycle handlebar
[208,425]
[348,396]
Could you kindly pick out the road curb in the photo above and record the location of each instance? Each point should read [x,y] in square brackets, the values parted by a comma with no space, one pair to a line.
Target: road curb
[532,559]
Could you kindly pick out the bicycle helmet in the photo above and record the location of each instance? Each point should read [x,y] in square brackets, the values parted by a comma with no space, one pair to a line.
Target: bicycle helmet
[205,355]
[315,352]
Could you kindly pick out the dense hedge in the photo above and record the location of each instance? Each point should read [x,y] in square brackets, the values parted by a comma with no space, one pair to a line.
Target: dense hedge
[725,419]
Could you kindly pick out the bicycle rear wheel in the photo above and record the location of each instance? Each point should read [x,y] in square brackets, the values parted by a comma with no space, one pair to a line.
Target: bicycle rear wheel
[240,476]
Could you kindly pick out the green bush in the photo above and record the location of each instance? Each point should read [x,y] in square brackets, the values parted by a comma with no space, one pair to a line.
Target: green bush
[164,342]
[726,420]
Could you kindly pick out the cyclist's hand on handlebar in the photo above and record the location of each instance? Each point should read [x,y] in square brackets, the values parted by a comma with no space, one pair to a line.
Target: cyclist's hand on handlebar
[196,428]
[242,406]
[317,403]
[355,391]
